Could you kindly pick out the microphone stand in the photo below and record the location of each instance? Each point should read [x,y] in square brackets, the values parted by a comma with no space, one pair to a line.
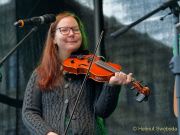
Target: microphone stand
[34,29]
[127,27]
[175,61]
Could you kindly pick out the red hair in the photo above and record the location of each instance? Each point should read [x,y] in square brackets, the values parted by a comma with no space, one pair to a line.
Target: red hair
[49,71]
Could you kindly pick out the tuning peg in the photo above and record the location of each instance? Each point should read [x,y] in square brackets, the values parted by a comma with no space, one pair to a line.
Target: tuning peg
[140,81]
[140,97]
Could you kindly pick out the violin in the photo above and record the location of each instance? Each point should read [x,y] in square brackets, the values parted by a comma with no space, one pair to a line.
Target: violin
[101,71]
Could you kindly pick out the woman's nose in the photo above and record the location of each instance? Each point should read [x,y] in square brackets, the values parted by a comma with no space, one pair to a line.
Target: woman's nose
[71,32]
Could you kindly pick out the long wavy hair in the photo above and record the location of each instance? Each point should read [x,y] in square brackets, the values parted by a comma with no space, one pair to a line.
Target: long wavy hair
[49,70]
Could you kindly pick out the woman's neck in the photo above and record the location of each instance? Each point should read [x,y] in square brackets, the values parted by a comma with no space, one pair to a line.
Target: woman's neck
[64,55]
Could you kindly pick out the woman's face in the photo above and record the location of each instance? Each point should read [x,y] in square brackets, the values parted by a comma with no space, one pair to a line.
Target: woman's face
[68,36]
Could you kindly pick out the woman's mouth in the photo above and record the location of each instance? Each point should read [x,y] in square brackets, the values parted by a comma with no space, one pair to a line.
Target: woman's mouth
[71,41]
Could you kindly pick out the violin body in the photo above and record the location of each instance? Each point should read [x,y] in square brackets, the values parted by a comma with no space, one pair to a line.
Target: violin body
[80,65]
[101,71]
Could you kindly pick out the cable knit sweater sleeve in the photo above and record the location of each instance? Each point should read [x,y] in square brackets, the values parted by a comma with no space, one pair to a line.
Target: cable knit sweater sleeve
[31,111]
[106,100]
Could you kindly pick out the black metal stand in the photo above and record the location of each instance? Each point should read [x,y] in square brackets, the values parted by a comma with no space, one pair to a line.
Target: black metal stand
[175,68]
[175,61]
[15,48]
[0,76]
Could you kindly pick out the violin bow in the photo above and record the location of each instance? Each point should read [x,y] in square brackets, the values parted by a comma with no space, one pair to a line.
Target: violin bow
[83,83]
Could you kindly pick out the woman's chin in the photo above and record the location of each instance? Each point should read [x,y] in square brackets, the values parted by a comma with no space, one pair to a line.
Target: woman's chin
[73,48]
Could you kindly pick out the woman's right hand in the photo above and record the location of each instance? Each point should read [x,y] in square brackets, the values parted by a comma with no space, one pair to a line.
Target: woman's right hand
[51,133]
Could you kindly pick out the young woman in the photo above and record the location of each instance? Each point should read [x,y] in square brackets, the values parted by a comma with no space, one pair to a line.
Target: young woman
[51,93]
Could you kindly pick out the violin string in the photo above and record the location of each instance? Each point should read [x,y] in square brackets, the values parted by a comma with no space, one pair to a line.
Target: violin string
[106,66]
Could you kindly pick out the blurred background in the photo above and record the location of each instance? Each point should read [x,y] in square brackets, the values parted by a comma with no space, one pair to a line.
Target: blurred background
[145,50]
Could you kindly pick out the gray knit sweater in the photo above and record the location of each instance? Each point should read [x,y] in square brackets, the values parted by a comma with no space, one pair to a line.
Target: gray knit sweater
[47,111]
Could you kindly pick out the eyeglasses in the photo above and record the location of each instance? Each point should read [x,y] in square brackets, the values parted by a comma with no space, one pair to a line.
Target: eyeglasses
[66,30]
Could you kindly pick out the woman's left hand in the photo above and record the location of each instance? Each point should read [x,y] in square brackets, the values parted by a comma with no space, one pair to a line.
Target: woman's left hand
[120,78]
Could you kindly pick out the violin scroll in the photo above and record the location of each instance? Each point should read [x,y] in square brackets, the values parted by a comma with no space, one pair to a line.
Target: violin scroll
[143,92]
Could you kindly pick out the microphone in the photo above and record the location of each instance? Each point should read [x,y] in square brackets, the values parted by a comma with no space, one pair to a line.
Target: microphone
[120,31]
[47,18]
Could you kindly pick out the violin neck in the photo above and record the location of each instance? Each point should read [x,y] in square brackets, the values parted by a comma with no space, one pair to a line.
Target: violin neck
[106,66]
[109,68]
